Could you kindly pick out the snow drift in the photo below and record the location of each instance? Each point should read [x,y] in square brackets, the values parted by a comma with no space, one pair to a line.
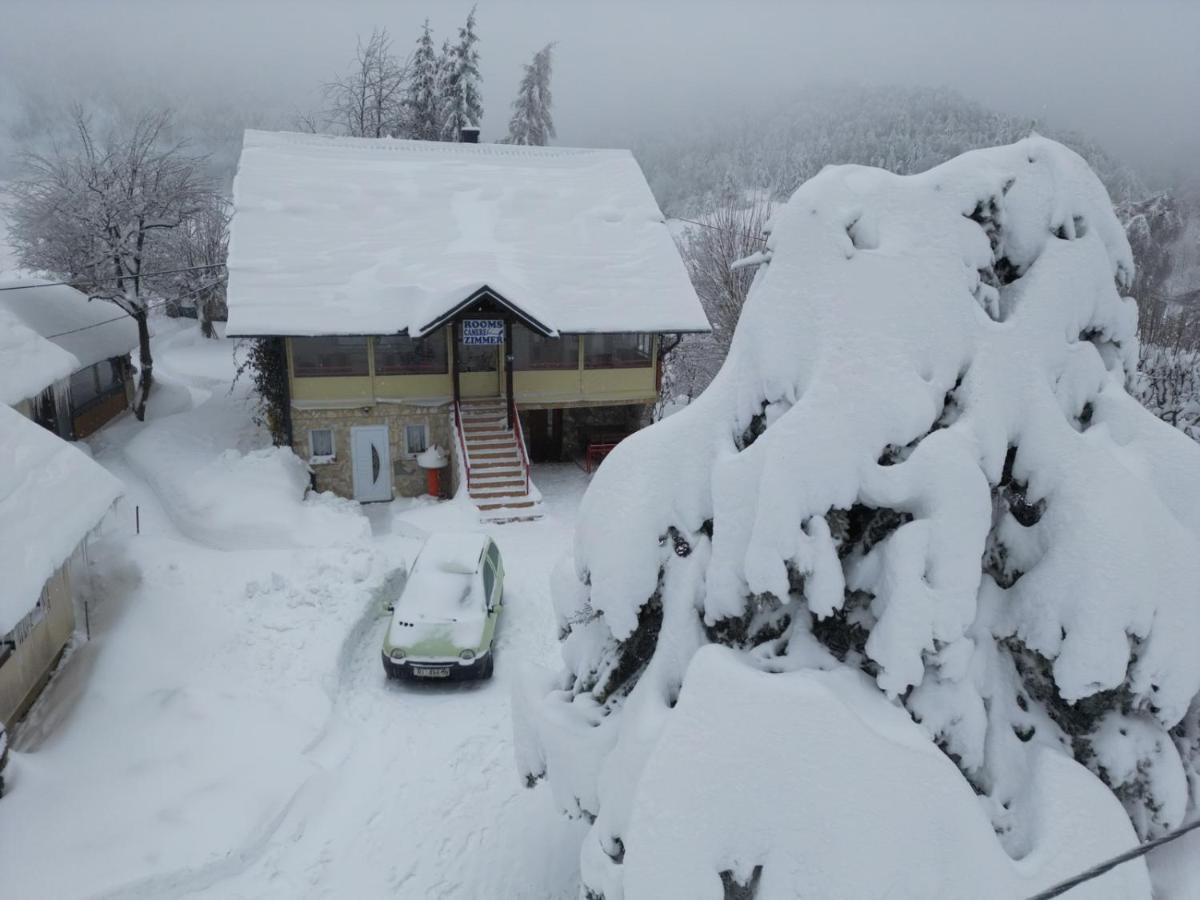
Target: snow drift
[919,462]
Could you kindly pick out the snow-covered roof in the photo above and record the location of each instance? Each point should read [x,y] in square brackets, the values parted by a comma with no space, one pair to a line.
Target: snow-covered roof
[335,235]
[90,330]
[51,495]
[30,363]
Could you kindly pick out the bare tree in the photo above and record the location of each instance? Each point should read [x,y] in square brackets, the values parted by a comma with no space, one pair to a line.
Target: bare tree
[368,101]
[733,230]
[195,253]
[96,210]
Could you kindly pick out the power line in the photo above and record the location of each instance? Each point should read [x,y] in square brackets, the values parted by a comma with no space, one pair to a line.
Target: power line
[1096,871]
[88,284]
[149,306]
[745,234]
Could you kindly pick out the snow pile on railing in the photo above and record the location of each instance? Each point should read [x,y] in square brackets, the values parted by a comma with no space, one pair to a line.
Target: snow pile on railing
[919,462]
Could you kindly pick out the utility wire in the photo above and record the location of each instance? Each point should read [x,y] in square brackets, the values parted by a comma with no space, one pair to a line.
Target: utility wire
[46,284]
[745,234]
[149,306]
[1096,871]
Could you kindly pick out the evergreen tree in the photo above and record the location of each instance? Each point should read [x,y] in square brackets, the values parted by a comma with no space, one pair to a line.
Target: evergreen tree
[532,122]
[464,105]
[444,85]
[423,99]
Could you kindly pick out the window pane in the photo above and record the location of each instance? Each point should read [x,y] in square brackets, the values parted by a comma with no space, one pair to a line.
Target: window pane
[617,351]
[322,357]
[83,386]
[532,351]
[415,438]
[489,581]
[104,374]
[398,354]
[321,440]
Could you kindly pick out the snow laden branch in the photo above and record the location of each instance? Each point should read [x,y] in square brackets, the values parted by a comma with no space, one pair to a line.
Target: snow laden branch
[948,563]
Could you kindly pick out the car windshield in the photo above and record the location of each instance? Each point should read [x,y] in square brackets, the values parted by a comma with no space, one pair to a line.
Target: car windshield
[445,585]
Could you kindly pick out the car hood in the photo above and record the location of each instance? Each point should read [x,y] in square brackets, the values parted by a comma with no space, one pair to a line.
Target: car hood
[433,638]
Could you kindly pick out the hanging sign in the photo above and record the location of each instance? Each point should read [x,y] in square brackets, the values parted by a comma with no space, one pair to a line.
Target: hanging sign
[483,332]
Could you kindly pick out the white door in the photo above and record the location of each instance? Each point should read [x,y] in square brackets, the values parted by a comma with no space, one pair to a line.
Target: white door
[371,463]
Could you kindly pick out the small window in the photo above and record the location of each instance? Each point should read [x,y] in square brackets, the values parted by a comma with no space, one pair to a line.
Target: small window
[617,351]
[329,357]
[83,387]
[320,445]
[416,439]
[398,354]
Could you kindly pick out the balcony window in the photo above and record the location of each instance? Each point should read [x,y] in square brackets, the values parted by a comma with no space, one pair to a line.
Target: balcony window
[531,351]
[398,354]
[617,351]
[329,357]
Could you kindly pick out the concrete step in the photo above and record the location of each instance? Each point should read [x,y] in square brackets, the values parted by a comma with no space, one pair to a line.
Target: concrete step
[516,504]
[506,494]
[490,454]
[499,463]
[483,440]
[510,485]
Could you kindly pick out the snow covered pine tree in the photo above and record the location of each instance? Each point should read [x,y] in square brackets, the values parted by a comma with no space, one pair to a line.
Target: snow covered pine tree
[422,99]
[532,122]
[463,104]
[916,509]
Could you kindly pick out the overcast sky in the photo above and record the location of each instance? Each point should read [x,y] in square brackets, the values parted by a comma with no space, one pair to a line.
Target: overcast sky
[1127,74]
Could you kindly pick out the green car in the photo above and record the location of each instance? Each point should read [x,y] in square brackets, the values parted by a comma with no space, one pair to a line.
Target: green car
[445,617]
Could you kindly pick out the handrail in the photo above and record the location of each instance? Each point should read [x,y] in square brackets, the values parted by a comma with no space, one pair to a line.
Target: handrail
[462,441]
[520,436]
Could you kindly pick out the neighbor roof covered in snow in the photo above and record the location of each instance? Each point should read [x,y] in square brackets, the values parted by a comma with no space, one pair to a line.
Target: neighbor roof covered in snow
[87,330]
[335,235]
[51,495]
[30,363]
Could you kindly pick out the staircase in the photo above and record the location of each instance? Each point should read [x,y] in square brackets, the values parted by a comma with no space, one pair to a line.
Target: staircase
[496,465]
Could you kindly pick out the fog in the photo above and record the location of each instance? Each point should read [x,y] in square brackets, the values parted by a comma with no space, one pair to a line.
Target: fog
[1126,74]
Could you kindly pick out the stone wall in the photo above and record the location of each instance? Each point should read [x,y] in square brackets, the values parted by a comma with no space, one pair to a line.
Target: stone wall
[408,479]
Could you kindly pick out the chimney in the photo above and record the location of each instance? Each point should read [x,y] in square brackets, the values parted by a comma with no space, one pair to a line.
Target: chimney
[469,134]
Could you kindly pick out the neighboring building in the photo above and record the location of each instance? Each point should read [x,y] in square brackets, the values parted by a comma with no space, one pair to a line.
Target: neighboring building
[52,495]
[443,293]
[98,336]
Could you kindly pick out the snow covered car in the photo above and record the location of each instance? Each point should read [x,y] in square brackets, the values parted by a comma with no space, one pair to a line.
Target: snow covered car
[445,617]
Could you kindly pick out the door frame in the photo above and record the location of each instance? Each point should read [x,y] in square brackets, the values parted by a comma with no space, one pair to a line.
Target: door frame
[385,464]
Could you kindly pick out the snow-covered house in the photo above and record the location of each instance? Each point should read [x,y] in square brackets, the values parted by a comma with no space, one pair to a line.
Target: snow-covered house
[52,495]
[97,337]
[457,294]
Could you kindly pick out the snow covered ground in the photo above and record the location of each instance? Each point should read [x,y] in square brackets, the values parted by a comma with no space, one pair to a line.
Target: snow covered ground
[228,730]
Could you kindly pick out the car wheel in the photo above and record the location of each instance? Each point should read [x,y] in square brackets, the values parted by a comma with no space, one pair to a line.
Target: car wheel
[489,664]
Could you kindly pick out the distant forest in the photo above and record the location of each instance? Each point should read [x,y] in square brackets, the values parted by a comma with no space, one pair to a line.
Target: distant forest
[902,129]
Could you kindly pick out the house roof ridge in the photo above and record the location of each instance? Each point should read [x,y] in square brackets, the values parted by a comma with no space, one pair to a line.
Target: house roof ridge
[408,145]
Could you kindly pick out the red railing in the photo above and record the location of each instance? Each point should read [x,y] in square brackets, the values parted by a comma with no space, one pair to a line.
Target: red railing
[462,442]
[520,436]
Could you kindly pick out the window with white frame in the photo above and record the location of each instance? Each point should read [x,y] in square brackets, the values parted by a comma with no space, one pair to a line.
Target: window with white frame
[320,445]
[416,438]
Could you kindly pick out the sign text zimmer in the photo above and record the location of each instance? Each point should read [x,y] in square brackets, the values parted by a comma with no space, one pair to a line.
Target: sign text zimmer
[483,331]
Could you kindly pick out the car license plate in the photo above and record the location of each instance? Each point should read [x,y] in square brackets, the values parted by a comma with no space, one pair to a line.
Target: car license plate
[432,671]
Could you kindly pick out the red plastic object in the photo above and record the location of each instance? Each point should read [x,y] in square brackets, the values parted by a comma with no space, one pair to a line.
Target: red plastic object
[433,482]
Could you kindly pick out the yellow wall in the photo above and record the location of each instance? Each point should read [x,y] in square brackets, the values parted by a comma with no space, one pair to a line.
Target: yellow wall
[24,673]
[538,387]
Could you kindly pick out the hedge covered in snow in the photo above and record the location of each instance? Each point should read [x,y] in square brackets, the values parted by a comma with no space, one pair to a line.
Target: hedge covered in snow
[919,463]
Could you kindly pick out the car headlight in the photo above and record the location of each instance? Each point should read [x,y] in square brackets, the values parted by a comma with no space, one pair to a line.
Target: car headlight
[397,654]
[467,655]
